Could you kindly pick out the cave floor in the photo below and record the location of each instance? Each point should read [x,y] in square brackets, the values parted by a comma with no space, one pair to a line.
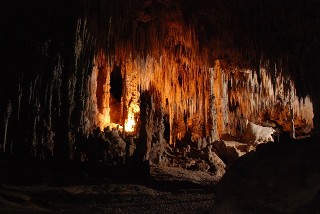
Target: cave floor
[276,178]
[108,197]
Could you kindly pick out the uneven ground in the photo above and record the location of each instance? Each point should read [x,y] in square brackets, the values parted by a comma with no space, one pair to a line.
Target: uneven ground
[277,178]
[70,188]
[104,198]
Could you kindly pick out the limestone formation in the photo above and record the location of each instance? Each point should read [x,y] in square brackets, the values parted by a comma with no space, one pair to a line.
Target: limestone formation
[163,73]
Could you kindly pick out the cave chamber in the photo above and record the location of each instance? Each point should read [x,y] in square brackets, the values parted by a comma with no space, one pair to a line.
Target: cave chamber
[166,73]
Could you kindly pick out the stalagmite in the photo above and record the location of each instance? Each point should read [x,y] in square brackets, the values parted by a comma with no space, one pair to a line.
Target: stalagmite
[212,101]
[293,131]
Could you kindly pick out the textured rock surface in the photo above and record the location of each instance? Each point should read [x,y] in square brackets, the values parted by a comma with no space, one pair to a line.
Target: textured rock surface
[175,75]
[277,178]
[179,174]
[81,65]
[255,134]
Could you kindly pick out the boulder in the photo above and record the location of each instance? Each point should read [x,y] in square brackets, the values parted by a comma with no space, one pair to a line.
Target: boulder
[227,152]
[277,178]
[217,164]
[256,134]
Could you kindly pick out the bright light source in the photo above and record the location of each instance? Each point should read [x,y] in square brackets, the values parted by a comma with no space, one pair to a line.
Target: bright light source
[130,123]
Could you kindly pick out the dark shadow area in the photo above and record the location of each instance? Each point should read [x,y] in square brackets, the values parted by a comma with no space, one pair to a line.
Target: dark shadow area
[116,94]
[30,171]
[35,186]
[279,177]
[116,83]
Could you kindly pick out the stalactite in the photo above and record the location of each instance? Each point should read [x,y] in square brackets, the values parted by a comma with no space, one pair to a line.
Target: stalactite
[20,93]
[131,96]
[6,117]
[71,95]
[57,81]
[91,112]
[35,131]
[49,96]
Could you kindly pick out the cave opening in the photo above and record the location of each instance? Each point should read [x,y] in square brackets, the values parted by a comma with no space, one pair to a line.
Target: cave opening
[116,90]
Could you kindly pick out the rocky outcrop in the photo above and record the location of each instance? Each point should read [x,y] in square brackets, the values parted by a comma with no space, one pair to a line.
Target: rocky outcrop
[256,134]
[278,178]
[229,151]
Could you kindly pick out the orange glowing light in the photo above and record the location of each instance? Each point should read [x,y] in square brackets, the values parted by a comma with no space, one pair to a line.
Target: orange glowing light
[130,122]
[104,121]
[129,125]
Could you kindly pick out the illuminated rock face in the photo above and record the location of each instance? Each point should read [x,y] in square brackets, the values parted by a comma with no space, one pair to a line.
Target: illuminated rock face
[201,95]
[255,134]
[204,74]
[218,99]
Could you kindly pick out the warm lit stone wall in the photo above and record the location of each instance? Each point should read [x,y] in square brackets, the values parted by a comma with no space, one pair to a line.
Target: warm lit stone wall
[201,93]
[208,64]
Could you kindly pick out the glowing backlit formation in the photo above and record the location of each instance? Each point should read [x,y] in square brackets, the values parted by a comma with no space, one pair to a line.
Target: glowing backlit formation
[130,123]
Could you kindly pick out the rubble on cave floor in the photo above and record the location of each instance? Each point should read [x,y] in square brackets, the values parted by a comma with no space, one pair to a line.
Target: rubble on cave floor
[200,161]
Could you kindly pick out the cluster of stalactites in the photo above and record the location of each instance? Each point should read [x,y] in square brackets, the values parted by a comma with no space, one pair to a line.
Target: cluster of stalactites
[164,56]
[267,100]
[129,107]
[185,90]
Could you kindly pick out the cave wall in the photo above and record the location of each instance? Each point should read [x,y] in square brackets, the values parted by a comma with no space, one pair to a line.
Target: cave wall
[204,92]
[54,52]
